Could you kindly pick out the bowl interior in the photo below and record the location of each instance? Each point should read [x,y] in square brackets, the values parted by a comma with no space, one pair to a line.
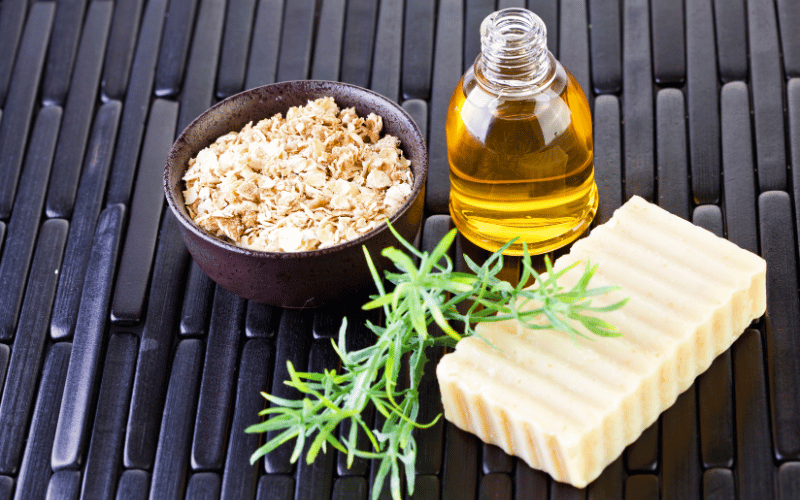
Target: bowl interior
[263,102]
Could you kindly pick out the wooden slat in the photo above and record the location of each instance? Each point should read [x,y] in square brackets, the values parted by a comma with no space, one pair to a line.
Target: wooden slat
[78,112]
[641,486]
[198,88]
[218,382]
[610,484]
[718,484]
[430,442]
[63,47]
[607,155]
[738,167]
[637,101]
[788,20]
[136,261]
[315,480]
[239,20]
[793,104]
[789,479]
[29,346]
[64,485]
[495,460]
[104,455]
[34,472]
[328,41]
[18,108]
[275,487]
[295,55]
[673,178]
[12,18]
[702,102]
[196,301]
[715,385]
[573,50]
[203,486]
[783,321]
[495,486]
[84,217]
[680,464]
[6,487]
[357,337]
[136,105]
[262,320]
[460,462]
[418,43]
[548,10]
[239,479]
[446,74]
[72,432]
[731,30]
[359,39]
[753,454]
[564,491]
[669,52]
[171,461]
[134,484]
[157,337]
[642,454]
[263,63]
[767,91]
[293,344]
[474,13]
[174,49]
[606,46]
[388,54]
[350,488]
[121,43]
[26,215]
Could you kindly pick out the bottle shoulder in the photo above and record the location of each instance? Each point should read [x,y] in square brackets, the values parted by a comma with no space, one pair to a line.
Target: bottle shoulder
[473,92]
[547,113]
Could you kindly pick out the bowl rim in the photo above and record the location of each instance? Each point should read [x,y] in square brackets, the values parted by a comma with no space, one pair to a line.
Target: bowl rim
[178,206]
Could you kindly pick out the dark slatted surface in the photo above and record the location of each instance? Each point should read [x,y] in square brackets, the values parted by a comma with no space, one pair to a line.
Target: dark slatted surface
[126,373]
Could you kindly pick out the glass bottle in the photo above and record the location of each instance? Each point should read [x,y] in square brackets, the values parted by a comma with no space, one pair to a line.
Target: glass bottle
[519,142]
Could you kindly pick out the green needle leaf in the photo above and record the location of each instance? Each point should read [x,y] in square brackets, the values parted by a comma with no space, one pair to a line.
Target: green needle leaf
[429,294]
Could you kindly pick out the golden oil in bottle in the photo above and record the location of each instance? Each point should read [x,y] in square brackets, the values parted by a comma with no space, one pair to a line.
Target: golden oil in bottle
[519,143]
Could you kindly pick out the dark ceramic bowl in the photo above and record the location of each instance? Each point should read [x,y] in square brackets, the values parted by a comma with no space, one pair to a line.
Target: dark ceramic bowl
[295,279]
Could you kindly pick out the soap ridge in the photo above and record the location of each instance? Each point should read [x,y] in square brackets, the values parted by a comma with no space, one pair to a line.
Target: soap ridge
[548,398]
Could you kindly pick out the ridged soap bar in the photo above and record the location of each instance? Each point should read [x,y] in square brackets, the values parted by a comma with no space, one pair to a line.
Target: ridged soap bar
[570,407]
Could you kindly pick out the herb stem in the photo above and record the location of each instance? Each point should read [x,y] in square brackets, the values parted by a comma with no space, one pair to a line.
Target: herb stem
[424,294]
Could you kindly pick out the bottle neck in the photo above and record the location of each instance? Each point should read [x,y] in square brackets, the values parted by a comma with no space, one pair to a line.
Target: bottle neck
[514,58]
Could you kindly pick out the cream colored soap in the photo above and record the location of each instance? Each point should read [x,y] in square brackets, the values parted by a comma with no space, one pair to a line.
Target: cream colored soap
[571,408]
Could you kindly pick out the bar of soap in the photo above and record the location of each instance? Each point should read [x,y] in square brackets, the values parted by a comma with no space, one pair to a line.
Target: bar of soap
[569,408]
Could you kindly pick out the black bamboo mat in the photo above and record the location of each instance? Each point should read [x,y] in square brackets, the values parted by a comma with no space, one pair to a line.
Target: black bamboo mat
[125,373]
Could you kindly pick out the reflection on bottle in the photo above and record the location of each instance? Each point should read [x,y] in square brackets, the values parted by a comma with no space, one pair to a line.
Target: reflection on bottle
[519,142]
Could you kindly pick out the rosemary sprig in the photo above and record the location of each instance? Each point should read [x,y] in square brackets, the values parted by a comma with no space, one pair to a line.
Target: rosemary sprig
[423,294]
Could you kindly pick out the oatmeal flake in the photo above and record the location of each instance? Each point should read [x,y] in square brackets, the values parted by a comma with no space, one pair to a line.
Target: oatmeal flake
[316,178]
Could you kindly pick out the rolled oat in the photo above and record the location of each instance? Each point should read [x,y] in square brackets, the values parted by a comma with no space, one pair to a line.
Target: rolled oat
[317,178]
